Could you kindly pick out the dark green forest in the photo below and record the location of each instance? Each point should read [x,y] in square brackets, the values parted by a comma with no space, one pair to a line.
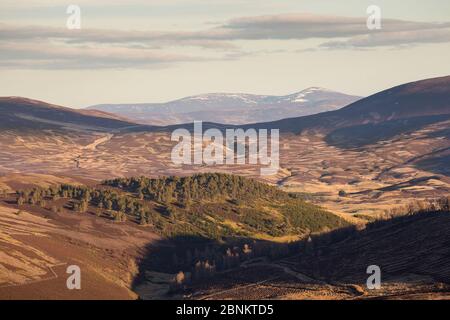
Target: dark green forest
[209,205]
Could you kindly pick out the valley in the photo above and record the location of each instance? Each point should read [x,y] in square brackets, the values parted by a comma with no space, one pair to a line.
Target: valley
[100,191]
[374,178]
[229,159]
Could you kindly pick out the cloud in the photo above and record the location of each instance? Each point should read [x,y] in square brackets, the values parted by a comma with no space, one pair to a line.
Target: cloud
[102,48]
[393,39]
[274,27]
[110,36]
[36,56]
[351,32]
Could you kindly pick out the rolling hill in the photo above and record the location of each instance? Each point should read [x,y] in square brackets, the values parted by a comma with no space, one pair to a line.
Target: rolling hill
[26,114]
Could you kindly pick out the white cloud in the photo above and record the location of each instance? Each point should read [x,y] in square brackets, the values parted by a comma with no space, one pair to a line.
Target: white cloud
[393,39]
[37,56]
[52,47]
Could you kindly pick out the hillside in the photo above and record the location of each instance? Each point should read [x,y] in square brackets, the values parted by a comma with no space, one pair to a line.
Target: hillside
[410,250]
[139,225]
[232,108]
[31,115]
[125,232]
[408,245]
[205,205]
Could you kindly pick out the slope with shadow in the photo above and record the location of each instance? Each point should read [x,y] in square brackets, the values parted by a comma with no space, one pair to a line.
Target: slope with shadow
[411,252]
[402,109]
[415,244]
[26,114]
[126,229]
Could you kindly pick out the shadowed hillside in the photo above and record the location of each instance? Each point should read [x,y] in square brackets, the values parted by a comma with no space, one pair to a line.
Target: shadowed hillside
[411,251]
[199,224]
[407,245]
[28,115]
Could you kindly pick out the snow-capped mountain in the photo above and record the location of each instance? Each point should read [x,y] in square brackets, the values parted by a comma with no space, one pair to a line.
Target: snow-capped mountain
[232,108]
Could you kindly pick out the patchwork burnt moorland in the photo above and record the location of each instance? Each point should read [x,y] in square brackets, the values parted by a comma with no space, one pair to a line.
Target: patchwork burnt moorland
[365,184]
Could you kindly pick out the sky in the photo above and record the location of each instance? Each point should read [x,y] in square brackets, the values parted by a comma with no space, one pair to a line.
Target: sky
[137,51]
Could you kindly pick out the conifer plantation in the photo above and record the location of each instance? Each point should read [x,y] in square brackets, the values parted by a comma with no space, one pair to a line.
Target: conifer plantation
[212,206]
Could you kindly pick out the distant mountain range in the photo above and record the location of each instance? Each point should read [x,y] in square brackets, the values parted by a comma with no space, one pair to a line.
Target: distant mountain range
[232,108]
[400,109]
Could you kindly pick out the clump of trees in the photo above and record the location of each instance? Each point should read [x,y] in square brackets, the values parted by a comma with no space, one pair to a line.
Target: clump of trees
[207,186]
[211,205]
[116,204]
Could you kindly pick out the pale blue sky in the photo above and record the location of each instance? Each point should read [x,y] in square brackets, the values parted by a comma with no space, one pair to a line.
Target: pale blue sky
[149,51]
